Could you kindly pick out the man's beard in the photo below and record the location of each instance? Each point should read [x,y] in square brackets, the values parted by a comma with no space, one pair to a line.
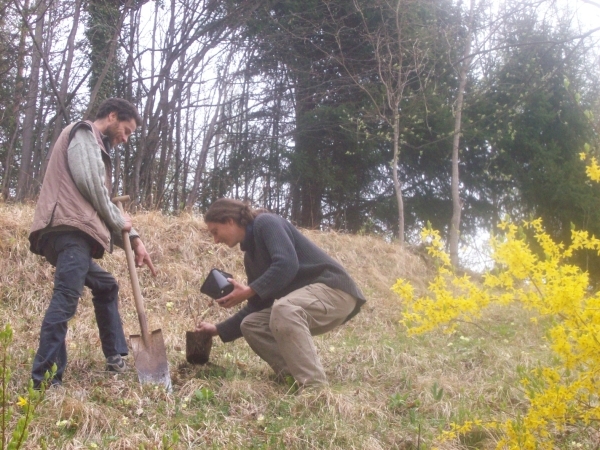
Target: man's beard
[111,133]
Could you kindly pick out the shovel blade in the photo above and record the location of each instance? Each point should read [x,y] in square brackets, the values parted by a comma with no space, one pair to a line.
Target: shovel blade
[151,359]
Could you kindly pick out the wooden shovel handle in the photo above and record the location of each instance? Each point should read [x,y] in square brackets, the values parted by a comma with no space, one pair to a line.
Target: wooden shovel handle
[135,284]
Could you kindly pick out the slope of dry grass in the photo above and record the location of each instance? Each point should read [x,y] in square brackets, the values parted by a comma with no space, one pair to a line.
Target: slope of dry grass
[387,390]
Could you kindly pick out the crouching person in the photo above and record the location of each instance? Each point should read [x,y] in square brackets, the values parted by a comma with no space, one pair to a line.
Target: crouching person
[295,290]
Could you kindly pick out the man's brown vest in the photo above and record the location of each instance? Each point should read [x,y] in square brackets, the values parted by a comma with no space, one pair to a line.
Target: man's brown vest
[61,204]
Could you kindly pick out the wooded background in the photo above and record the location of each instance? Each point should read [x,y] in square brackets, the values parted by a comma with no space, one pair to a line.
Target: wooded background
[358,115]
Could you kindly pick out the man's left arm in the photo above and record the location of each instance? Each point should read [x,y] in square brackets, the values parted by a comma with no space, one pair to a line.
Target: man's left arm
[88,171]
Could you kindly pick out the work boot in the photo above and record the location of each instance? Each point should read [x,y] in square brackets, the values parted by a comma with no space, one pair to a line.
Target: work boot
[116,364]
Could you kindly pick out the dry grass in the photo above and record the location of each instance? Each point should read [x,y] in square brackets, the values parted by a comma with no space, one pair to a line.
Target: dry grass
[384,389]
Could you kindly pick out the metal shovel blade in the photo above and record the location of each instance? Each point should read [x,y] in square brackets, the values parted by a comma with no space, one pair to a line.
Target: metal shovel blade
[149,349]
[151,360]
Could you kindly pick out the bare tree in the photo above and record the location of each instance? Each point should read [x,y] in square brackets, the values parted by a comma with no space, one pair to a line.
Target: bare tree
[30,111]
[63,98]
[196,30]
[399,53]
[463,73]
[15,126]
[209,135]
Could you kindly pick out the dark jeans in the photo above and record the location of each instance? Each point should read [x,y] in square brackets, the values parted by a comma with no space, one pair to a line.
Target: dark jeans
[70,253]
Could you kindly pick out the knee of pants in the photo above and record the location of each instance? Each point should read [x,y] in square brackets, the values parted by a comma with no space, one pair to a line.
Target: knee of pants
[244,327]
[256,323]
[108,289]
[71,294]
[61,309]
[283,315]
[248,327]
[113,288]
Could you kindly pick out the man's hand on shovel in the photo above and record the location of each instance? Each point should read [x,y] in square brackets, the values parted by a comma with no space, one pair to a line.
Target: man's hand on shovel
[128,223]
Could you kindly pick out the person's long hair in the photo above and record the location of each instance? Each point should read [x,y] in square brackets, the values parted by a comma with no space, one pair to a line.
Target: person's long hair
[227,208]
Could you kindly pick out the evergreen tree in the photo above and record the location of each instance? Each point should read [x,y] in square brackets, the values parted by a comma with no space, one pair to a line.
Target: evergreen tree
[103,29]
[537,126]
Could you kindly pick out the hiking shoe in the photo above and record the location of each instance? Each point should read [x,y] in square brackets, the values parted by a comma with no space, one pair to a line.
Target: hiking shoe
[116,364]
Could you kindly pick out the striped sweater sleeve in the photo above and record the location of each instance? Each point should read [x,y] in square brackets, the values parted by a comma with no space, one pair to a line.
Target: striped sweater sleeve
[88,172]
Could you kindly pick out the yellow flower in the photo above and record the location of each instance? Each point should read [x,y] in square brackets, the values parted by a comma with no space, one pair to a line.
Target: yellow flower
[558,395]
[22,401]
[593,170]
[403,289]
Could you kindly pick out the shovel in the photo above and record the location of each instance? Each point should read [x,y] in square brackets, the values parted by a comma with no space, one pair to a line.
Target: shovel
[149,350]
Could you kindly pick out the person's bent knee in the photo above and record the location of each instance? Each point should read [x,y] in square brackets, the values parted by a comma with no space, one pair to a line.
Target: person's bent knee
[58,315]
[105,288]
[249,326]
[283,314]
[113,288]
[109,282]
[67,294]
[246,327]
[281,310]
[282,323]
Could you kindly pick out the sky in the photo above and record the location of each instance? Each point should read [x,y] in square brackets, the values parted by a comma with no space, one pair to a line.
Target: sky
[588,11]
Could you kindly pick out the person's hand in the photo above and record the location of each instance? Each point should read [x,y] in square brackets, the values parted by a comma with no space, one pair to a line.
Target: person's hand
[128,223]
[141,255]
[240,293]
[207,328]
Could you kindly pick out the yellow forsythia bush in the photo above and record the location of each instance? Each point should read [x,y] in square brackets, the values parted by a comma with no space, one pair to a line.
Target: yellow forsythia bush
[564,395]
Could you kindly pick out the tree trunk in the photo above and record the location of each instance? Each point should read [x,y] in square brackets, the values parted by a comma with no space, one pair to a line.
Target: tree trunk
[456,201]
[62,116]
[105,23]
[24,179]
[16,108]
[208,138]
[396,180]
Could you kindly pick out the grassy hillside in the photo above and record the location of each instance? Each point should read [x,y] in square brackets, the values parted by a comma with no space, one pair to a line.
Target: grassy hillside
[387,390]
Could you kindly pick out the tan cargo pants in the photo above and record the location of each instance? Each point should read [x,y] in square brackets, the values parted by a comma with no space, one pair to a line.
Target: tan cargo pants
[282,334]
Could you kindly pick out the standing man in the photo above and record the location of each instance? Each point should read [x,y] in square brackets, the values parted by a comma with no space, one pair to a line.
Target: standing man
[76,221]
[295,290]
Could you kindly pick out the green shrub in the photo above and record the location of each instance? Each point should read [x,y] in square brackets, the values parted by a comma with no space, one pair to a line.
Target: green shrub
[24,406]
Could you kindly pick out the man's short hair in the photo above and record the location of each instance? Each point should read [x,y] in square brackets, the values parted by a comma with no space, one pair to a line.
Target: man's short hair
[125,110]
